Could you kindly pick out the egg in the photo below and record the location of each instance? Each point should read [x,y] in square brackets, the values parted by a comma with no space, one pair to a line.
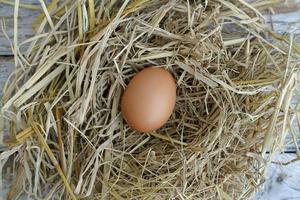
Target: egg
[149,99]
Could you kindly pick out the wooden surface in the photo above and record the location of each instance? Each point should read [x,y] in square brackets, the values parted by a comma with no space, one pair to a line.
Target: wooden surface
[283,181]
[285,18]
[283,22]
[25,19]
[6,67]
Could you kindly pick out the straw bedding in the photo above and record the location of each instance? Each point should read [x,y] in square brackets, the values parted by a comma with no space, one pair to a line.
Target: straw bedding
[235,79]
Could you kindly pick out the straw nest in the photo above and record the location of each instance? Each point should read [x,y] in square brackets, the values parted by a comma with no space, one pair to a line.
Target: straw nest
[67,138]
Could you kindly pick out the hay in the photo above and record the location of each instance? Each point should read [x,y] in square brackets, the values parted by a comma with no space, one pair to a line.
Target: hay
[235,80]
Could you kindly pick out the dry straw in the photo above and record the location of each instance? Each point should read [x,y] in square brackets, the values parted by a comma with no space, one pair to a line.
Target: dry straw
[235,80]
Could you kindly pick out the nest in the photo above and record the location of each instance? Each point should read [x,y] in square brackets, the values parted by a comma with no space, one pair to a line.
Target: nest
[67,138]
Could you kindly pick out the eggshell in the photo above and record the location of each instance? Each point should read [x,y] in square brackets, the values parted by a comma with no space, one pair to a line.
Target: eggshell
[149,99]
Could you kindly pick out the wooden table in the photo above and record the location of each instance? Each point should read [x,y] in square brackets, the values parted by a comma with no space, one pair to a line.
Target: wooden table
[283,181]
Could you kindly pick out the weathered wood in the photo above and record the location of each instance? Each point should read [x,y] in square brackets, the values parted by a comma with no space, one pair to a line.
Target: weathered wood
[6,67]
[282,181]
[25,19]
[285,22]
[286,17]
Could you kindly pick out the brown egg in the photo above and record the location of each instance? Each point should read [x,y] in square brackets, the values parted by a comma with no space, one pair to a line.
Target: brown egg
[149,99]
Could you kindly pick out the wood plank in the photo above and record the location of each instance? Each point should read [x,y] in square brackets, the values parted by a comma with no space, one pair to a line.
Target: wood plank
[286,16]
[6,68]
[25,19]
[285,22]
[282,181]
